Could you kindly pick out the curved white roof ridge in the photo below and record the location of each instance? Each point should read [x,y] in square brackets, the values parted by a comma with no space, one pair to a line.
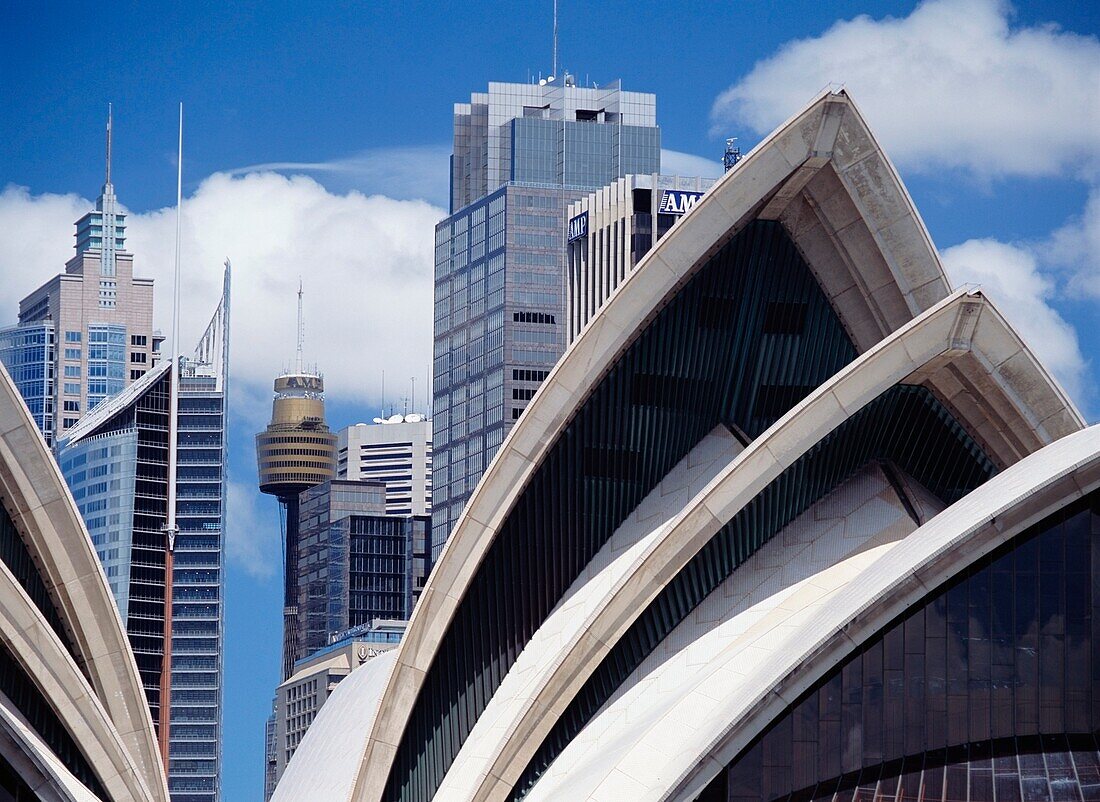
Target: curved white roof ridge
[784,159]
[1024,494]
[48,521]
[954,329]
[326,762]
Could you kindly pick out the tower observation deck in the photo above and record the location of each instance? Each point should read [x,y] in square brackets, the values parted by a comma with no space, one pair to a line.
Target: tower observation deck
[295,452]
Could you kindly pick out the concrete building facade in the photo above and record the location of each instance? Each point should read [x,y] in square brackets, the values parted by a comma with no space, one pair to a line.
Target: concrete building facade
[758,534]
[522,154]
[609,230]
[396,452]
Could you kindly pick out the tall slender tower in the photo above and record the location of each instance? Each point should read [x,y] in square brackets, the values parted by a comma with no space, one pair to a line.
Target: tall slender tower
[295,452]
[86,333]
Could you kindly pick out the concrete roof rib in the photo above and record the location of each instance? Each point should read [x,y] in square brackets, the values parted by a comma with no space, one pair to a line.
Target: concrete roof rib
[824,177]
[100,688]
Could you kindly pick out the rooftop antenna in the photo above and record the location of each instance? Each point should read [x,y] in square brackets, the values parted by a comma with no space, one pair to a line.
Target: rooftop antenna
[109,114]
[170,528]
[301,330]
[732,154]
[554,72]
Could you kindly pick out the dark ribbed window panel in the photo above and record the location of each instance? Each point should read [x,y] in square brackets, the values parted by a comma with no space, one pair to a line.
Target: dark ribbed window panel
[12,787]
[17,557]
[906,426]
[1048,767]
[698,364]
[29,701]
[975,687]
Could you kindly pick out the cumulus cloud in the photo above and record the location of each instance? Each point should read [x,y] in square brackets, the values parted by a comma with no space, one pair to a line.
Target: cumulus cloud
[408,173]
[675,162]
[365,262]
[1012,276]
[1075,248]
[253,531]
[953,84]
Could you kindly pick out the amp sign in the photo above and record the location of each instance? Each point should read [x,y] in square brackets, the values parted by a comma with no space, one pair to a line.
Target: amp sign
[578,226]
[676,202]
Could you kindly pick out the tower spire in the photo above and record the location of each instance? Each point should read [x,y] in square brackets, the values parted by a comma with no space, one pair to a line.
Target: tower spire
[554,72]
[301,329]
[107,183]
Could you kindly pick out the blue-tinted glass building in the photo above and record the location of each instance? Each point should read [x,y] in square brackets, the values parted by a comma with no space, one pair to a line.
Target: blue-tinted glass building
[94,322]
[28,354]
[522,154]
[115,462]
[355,563]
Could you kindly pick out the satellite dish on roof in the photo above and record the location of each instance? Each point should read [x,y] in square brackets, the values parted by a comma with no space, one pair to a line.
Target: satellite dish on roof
[413,418]
[394,419]
[379,420]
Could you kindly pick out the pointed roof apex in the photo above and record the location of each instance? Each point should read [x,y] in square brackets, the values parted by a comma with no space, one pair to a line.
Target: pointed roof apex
[107,182]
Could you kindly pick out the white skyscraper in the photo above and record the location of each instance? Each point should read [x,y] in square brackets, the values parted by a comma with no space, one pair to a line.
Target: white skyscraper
[397,452]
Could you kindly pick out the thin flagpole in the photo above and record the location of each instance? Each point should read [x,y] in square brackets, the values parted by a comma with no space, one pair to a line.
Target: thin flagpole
[170,527]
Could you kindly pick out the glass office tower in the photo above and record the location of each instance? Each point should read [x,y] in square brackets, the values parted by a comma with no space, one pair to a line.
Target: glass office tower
[522,154]
[94,322]
[115,462]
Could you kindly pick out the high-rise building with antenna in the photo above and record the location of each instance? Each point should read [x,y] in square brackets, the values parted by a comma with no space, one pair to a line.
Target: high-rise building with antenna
[87,333]
[295,452]
[117,462]
[522,154]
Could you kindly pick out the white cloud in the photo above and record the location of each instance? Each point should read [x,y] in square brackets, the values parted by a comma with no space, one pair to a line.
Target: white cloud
[409,173]
[366,262]
[1016,286]
[253,540]
[675,162]
[951,85]
[1075,248]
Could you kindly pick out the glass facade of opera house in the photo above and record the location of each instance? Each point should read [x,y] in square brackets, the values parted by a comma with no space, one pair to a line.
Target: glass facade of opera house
[988,689]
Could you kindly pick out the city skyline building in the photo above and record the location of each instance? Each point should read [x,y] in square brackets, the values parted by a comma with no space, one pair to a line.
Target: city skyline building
[522,153]
[356,561]
[87,333]
[792,518]
[300,698]
[295,452]
[396,451]
[75,723]
[609,230]
[116,464]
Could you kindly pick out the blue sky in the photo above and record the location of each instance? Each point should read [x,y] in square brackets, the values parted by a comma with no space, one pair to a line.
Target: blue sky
[990,112]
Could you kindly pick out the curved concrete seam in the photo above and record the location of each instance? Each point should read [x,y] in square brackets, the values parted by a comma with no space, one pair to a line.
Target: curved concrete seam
[923,561]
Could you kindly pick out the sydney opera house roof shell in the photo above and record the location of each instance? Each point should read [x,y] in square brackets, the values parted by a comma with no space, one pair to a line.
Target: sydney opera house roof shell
[791,518]
[74,723]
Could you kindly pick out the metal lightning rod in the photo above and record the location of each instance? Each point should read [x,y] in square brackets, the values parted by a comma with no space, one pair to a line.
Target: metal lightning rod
[164,721]
[555,70]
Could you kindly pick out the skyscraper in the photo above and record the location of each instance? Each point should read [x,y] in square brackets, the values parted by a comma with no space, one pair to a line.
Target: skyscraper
[295,452]
[522,153]
[396,452]
[87,333]
[609,230]
[116,463]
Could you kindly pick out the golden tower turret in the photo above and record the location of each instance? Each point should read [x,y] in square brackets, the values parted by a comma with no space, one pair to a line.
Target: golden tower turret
[295,452]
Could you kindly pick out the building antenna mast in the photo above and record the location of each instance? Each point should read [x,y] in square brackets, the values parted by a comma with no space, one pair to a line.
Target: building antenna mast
[301,329]
[164,721]
[109,110]
[555,70]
